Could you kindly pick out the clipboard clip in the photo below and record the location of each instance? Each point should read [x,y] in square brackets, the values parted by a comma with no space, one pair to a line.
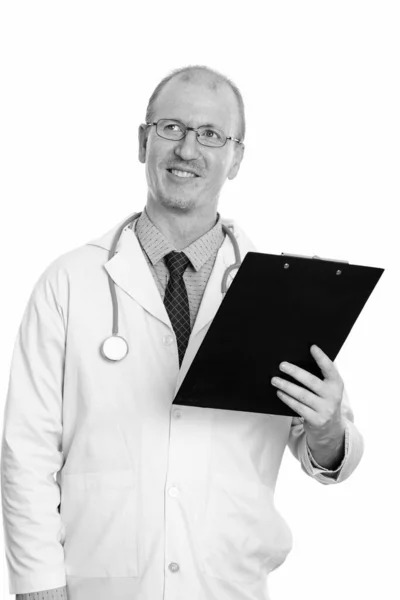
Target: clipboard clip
[315,257]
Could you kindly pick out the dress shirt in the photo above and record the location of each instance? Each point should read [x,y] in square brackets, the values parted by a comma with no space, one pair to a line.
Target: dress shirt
[202,254]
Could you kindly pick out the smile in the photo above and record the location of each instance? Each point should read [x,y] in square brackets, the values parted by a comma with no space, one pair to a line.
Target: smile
[182,174]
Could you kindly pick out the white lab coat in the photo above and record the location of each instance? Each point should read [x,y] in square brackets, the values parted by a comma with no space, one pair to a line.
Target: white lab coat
[144,485]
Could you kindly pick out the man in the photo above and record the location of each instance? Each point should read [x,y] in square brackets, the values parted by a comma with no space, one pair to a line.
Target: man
[152,500]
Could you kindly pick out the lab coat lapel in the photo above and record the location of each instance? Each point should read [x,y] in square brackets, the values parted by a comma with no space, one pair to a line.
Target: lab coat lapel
[129,271]
[210,304]
[213,296]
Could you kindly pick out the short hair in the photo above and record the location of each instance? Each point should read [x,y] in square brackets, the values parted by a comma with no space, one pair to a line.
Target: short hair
[219,77]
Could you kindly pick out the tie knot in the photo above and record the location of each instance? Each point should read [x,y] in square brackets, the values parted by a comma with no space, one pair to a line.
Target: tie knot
[176,263]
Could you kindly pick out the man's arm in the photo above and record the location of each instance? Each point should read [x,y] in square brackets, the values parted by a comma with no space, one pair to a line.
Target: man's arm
[31,445]
[329,452]
[353,448]
[326,431]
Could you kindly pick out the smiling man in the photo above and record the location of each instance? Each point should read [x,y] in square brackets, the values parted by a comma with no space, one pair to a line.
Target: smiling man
[152,500]
[186,168]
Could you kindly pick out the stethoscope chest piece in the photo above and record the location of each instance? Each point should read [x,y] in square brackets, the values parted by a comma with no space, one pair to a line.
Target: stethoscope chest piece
[114,348]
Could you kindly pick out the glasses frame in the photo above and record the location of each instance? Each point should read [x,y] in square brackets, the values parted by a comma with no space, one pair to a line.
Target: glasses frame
[195,129]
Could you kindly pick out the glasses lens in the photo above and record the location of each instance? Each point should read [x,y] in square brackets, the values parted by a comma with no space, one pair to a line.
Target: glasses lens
[170,130]
[209,136]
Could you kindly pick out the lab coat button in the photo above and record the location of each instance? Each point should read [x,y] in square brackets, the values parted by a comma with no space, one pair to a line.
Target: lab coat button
[174,567]
[174,492]
[168,340]
[177,414]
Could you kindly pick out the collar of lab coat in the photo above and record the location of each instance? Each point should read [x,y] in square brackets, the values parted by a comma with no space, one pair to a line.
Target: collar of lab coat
[129,270]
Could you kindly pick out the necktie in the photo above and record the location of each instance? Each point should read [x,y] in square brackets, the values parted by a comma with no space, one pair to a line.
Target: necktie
[176,300]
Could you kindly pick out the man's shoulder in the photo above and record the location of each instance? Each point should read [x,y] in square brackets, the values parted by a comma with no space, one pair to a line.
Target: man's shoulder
[95,250]
[105,240]
[78,262]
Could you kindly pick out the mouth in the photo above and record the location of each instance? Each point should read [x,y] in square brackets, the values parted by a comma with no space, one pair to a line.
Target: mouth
[181,174]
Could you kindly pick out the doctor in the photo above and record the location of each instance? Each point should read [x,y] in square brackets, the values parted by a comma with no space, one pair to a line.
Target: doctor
[151,500]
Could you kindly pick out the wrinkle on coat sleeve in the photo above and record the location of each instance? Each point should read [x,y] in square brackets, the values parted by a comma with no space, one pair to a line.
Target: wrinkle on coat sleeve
[354,448]
[31,446]
[55,594]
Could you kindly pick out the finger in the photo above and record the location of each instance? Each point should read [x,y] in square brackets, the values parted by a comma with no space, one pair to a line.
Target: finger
[328,369]
[312,382]
[295,391]
[301,409]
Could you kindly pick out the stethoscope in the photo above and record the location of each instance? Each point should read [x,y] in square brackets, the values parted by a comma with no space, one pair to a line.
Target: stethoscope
[115,347]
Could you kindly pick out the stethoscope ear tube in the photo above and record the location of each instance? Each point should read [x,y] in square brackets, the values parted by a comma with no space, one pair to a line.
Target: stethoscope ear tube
[237,263]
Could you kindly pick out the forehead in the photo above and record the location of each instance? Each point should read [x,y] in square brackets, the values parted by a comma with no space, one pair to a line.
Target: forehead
[198,101]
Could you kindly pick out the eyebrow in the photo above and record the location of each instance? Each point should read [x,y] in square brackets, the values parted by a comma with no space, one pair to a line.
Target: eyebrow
[211,125]
[202,125]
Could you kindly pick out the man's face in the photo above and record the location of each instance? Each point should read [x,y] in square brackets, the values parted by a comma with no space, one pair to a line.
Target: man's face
[194,103]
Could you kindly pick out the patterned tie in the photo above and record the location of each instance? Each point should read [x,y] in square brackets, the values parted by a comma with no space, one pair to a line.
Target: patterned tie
[176,300]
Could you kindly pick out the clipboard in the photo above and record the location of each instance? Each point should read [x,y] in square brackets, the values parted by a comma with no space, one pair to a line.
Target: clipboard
[275,309]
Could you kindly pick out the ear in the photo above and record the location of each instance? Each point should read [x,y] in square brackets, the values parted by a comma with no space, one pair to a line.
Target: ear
[238,157]
[143,131]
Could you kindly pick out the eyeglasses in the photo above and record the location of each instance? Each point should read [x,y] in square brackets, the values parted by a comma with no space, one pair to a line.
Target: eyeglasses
[170,129]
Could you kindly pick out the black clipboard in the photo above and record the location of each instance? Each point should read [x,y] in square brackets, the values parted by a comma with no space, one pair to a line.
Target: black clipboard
[275,309]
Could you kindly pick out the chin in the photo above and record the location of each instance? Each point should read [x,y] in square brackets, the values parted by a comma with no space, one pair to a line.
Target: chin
[177,202]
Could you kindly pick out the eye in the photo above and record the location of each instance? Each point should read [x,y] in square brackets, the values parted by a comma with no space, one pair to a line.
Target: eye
[174,127]
[210,133]
[211,136]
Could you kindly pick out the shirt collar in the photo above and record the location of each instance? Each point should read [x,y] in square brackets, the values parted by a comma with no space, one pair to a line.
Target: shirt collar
[156,245]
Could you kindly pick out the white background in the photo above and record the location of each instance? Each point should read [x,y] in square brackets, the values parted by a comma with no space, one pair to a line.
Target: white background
[320,176]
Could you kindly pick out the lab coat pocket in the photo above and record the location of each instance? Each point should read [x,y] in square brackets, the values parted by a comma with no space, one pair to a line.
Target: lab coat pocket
[99,513]
[244,536]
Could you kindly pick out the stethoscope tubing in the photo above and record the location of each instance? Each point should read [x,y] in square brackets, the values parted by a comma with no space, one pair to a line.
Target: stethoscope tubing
[113,251]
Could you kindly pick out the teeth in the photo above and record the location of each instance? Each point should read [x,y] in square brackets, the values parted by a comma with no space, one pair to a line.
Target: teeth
[182,173]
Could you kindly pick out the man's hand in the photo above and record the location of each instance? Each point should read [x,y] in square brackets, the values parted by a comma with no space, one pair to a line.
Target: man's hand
[319,405]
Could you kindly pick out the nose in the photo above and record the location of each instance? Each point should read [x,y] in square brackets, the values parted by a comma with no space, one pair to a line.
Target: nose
[188,147]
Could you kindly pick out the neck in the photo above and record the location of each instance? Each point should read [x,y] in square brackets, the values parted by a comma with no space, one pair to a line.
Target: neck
[181,228]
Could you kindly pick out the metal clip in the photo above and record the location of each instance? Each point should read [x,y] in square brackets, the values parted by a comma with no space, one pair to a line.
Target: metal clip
[317,257]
